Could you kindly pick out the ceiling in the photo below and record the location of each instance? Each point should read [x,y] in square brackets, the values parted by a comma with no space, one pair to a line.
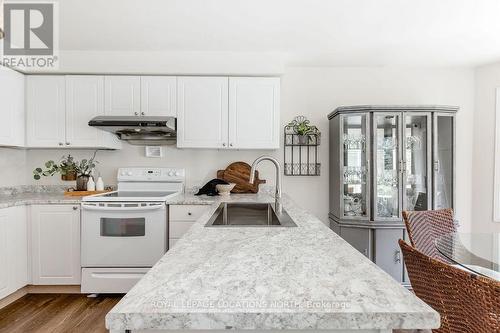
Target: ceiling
[307,33]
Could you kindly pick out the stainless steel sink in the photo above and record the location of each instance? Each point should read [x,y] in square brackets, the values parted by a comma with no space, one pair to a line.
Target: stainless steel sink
[249,215]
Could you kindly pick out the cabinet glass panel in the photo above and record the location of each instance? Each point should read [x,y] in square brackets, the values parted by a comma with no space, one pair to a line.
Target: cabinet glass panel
[355,168]
[387,159]
[416,162]
[443,164]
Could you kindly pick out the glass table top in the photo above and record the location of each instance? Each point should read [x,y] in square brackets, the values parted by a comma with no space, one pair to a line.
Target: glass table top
[478,252]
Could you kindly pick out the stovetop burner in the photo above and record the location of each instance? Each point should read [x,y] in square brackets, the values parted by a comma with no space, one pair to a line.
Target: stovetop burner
[143,185]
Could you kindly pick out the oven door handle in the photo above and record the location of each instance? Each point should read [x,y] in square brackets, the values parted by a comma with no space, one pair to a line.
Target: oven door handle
[121,209]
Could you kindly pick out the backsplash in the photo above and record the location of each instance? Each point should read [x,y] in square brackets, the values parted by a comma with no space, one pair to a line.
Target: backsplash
[200,165]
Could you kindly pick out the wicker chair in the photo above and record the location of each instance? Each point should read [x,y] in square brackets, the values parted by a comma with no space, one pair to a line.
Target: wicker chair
[424,227]
[467,303]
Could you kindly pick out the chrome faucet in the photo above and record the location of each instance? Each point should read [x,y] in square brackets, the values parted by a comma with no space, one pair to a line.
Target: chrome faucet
[277,194]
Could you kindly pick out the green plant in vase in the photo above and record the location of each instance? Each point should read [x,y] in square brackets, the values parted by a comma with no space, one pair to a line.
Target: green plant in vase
[301,126]
[70,169]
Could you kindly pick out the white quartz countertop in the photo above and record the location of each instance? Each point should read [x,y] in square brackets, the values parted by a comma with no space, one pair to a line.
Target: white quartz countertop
[304,277]
[30,198]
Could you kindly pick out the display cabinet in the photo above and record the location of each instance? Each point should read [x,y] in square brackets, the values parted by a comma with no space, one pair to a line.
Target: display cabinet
[383,160]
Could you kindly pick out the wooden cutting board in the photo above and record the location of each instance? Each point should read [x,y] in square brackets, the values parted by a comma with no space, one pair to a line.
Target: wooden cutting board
[239,173]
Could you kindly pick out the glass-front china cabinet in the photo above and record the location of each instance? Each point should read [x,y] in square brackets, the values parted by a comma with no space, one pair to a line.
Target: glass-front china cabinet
[383,160]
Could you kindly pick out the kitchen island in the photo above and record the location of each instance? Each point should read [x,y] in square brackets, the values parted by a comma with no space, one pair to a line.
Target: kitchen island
[266,278]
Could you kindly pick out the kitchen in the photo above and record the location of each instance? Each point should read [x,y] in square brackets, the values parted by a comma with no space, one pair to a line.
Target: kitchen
[219,108]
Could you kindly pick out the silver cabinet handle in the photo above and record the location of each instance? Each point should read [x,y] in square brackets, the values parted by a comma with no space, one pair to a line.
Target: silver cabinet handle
[436,166]
[68,143]
[223,145]
[189,213]
[230,145]
[136,113]
[75,208]
[142,113]
[397,256]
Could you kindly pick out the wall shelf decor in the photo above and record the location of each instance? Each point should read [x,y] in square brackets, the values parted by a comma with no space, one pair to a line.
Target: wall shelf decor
[301,142]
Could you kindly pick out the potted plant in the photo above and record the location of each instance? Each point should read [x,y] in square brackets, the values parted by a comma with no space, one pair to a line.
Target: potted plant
[301,126]
[69,170]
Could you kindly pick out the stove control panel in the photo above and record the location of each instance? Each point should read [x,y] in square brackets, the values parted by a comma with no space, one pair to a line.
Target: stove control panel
[150,174]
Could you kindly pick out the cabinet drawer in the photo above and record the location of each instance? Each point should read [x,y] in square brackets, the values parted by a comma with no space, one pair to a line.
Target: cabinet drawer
[178,228]
[186,212]
[110,280]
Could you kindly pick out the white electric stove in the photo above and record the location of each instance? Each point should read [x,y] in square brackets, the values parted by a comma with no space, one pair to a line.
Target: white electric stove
[125,232]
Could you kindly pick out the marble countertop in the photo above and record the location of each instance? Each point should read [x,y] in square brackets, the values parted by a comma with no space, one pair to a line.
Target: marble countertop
[305,277]
[36,198]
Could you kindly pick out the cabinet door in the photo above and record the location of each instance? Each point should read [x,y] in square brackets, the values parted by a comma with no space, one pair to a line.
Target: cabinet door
[13,250]
[202,112]
[12,126]
[19,245]
[444,161]
[387,169]
[417,161]
[84,101]
[159,96]
[55,244]
[359,238]
[5,256]
[122,96]
[254,109]
[46,111]
[355,174]
[387,253]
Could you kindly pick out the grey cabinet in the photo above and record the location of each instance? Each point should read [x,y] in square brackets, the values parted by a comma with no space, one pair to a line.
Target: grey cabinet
[383,160]
[387,254]
[360,239]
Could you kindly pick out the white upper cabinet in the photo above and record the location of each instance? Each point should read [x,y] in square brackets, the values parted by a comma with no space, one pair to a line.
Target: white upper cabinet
[55,249]
[12,126]
[60,108]
[254,107]
[122,96]
[159,96]
[46,111]
[202,112]
[228,113]
[84,101]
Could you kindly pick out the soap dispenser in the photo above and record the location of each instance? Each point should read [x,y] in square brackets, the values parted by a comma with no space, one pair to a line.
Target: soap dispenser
[91,184]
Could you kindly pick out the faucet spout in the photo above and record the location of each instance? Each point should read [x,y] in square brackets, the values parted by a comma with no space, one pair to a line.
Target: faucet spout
[277,195]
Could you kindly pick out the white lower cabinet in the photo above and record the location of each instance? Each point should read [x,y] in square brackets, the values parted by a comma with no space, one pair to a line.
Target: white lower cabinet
[55,243]
[13,250]
[181,218]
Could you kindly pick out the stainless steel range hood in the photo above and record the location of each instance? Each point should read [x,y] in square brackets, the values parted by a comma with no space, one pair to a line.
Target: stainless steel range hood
[143,131]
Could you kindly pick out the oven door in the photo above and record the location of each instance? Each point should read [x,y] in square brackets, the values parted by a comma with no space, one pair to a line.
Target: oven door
[123,234]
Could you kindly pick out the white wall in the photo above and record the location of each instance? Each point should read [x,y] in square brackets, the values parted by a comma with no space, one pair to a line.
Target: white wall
[12,167]
[314,92]
[487,80]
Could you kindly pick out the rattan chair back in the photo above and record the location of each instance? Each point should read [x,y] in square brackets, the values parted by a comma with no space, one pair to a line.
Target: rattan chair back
[424,227]
[467,303]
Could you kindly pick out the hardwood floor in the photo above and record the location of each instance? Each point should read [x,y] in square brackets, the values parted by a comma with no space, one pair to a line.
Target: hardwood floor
[57,313]
[64,313]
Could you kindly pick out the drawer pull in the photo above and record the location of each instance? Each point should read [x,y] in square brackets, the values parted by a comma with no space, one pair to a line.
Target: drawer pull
[189,213]
[397,257]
